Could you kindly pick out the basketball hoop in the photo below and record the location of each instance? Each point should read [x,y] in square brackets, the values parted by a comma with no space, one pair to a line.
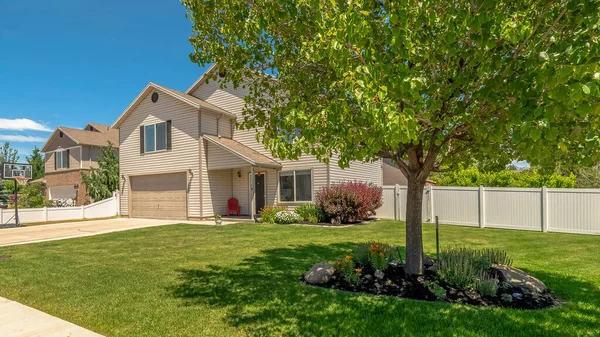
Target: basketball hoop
[21,180]
[20,173]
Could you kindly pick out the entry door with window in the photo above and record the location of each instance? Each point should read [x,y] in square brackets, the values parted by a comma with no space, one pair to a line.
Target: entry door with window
[260,187]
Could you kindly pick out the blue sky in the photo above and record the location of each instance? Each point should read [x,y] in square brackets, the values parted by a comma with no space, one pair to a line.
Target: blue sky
[68,62]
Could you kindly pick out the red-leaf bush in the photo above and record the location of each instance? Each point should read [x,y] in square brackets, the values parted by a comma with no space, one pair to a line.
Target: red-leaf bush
[349,201]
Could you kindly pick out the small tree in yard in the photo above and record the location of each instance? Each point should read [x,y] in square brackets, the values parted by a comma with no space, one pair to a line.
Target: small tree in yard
[429,84]
[37,163]
[104,180]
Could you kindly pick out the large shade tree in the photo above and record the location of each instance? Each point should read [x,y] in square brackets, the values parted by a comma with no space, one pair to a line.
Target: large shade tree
[429,84]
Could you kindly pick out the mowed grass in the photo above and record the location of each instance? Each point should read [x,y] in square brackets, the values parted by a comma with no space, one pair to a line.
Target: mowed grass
[243,280]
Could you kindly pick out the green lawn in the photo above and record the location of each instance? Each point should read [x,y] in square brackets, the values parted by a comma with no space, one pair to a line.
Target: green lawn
[238,280]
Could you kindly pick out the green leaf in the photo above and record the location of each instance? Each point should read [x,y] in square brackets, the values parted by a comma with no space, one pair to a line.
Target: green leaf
[586,89]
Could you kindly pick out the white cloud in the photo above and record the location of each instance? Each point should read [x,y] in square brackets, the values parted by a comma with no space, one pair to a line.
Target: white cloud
[22,139]
[22,124]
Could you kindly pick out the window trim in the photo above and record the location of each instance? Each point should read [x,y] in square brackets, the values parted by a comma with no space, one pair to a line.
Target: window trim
[312,186]
[62,160]
[155,137]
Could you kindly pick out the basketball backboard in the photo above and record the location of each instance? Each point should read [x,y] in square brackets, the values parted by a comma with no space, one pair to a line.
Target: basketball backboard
[16,170]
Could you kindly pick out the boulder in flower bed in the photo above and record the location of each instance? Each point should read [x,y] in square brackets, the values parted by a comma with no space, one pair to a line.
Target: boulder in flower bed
[460,276]
[518,279]
[319,274]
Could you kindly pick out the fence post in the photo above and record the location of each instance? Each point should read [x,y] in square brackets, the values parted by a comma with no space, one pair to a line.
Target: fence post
[396,192]
[117,197]
[46,214]
[430,192]
[544,209]
[481,207]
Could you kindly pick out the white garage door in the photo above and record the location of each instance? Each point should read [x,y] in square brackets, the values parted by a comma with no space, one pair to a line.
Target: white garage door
[62,192]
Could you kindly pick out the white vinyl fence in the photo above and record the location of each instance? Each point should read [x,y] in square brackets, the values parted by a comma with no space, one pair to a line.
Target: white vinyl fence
[101,209]
[566,210]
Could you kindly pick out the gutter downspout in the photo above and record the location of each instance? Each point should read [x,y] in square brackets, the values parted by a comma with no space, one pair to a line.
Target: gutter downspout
[218,126]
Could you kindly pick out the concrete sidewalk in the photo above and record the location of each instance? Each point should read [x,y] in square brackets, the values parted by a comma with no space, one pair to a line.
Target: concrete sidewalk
[59,231]
[18,320]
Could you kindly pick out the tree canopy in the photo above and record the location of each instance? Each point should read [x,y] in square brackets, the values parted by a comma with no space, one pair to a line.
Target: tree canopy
[505,178]
[8,154]
[37,163]
[430,84]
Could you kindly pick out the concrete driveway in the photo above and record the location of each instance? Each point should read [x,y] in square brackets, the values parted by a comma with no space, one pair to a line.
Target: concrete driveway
[59,231]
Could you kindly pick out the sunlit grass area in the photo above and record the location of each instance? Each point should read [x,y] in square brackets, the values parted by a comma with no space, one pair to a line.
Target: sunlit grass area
[243,280]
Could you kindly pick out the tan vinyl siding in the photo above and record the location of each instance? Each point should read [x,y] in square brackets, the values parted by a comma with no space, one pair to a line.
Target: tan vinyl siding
[392,175]
[74,158]
[208,123]
[241,187]
[211,120]
[370,172]
[59,143]
[90,156]
[219,159]
[217,189]
[183,156]
[232,100]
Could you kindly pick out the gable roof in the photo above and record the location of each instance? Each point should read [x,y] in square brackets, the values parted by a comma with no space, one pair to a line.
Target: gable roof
[249,155]
[85,137]
[97,126]
[202,79]
[183,97]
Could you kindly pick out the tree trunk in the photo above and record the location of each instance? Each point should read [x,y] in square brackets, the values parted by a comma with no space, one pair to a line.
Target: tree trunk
[414,230]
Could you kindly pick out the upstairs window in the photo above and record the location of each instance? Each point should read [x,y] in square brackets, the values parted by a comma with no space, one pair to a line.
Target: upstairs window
[295,185]
[61,159]
[155,137]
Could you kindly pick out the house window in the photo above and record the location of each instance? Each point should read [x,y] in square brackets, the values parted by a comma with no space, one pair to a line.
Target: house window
[295,185]
[61,159]
[155,137]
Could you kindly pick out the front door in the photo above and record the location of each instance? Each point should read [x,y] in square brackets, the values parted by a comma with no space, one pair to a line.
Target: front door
[259,187]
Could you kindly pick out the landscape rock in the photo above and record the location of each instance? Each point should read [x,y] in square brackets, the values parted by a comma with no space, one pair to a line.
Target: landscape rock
[319,274]
[428,262]
[368,276]
[432,269]
[394,264]
[518,278]
[379,274]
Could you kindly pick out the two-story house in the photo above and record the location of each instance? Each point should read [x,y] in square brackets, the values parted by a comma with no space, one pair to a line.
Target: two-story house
[182,157]
[70,151]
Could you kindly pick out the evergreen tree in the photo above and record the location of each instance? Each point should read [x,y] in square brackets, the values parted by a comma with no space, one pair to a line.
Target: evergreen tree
[104,180]
[37,163]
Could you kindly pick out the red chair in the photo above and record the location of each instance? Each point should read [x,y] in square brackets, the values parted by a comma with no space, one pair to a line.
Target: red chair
[233,206]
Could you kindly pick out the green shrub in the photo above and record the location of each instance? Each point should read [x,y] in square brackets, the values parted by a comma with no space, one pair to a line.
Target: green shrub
[495,256]
[487,286]
[310,212]
[435,289]
[506,298]
[347,267]
[267,214]
[464,267]
[381,254]
[362,254]
[505,178]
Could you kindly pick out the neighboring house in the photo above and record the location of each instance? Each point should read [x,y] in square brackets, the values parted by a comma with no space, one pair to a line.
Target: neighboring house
[392,174]
[182,157]
[70,151]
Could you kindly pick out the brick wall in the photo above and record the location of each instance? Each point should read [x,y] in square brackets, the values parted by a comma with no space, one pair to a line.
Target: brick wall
[68,178]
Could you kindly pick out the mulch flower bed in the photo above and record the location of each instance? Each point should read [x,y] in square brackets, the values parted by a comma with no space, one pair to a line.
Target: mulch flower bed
[396,283]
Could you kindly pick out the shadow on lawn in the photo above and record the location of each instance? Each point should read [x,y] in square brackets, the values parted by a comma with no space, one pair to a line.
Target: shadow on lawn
[263,295]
